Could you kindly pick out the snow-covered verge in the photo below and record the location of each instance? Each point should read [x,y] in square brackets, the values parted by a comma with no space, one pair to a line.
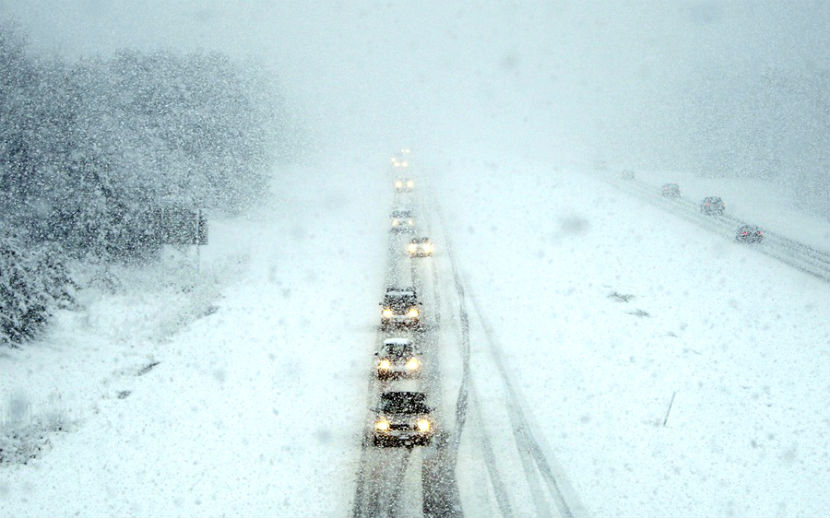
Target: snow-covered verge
[242,395]
[672,372]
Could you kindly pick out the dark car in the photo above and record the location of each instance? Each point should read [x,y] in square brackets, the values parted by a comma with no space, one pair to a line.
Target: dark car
[671,190]
[402,221]
[398,357]
[749,234]
[400,308]
[402,419]
[712,205]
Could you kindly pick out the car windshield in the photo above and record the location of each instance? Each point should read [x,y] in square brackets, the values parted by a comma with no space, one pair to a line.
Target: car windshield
[398,349]
[400,301]
[404,403]
[401,214]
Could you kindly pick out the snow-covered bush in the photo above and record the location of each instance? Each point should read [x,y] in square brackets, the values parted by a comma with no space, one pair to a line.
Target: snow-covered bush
[33,282]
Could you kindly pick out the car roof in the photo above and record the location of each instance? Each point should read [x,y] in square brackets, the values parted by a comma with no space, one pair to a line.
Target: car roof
[408,291]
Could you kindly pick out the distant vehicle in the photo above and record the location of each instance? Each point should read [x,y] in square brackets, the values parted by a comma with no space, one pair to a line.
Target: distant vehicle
[420,247]
[400,308]
[403,419]
[627,174]
[749,234]
[404,184]
[671,190]
[398,357]
[400,159]
[712,205]
[402,221]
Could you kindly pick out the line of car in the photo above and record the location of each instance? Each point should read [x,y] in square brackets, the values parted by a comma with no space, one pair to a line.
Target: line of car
[711,206]
[402,417]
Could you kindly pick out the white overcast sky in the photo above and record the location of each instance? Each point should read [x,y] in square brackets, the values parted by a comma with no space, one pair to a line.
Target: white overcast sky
[614,80]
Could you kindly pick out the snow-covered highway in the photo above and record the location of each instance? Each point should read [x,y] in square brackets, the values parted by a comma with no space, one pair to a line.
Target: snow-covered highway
[572,316]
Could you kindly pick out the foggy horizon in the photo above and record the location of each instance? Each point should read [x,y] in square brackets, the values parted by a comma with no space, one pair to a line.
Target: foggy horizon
[717,88]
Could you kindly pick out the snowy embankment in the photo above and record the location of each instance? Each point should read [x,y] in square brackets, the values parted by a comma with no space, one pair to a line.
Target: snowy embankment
[673,372]
[607,310]
[256,403]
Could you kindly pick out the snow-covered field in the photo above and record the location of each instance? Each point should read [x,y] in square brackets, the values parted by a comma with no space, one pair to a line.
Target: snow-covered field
[608,310]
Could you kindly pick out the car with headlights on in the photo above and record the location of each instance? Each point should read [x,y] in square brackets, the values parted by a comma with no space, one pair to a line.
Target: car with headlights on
[398,358]
[403,419]
[712,205]
[749,234]
[402,221]
[420,247]
[671,190]
[404,184]
[400,308]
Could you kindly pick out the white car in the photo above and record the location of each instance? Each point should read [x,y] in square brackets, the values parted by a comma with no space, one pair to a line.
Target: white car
[404,184]
[420,247]
[397,358]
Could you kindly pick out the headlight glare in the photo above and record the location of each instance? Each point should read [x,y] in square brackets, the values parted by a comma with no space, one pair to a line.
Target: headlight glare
[384,364]
[387,313]
[382,425]
[413,364]
[412,312]
[423,425]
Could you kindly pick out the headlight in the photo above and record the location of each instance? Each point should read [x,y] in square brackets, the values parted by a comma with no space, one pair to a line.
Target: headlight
[395,222]
[382,425]
[387,313]
[384,364]
[413,364]
[428,247]
[411,222]
[423,425]
[398,184]
[412,312]
[411,248]
[410,184]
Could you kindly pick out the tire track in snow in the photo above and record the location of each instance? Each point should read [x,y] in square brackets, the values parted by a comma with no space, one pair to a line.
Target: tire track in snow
[466,390]
[567,506]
